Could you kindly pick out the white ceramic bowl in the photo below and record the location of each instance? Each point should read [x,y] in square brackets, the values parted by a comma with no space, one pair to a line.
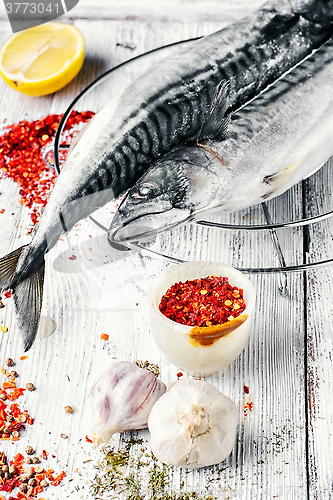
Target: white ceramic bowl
[200,351]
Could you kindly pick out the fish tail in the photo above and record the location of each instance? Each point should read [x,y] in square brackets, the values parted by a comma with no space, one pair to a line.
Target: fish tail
[27,292]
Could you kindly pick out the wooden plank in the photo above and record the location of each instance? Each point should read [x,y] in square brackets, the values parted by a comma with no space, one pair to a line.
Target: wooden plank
[222,11]
[104,291]
[319,337]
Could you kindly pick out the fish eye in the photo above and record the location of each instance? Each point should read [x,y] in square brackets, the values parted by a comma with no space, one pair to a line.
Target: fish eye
[147,189]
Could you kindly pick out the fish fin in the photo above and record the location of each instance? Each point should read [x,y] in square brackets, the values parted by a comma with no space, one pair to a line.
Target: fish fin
[278,25]
[272,178]
[28,295]
[216,123]
[8,265]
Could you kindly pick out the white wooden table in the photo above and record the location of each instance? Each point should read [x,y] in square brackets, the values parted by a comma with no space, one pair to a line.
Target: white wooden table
[283,447]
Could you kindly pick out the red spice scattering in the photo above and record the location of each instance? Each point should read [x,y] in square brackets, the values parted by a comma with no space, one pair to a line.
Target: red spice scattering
[88,439]
[248,407]
[246,389]
[202,302]
[30,482]
[12,418]
[2,211]
[23,357]
[105,336]
[8,294]
[44,454]
[21,148]
[72,257]
[179,374]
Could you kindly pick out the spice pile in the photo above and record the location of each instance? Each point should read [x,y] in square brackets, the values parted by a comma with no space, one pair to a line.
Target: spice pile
[21,148]
[12,418]
[30,480]
[203,302]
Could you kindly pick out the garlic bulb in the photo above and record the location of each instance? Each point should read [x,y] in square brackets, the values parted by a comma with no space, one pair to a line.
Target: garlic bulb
[124,396]
[192,425]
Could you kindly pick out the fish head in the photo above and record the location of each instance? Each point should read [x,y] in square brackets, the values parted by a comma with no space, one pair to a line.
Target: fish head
[168,194]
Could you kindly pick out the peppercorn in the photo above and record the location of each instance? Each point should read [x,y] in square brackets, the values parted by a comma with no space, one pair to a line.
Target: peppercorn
[7,475]
[12,469]
[22,418]
[64,436]
[68,409]
[10,418]
[30,386]
[14,374]
[44,483]
[5,468]
[29,450]
[9,362]
[30,474]
[32,482]
[1,304]
[24,478]
[23,488]
[39,469]
[35,460]
[28,460]
[3,397]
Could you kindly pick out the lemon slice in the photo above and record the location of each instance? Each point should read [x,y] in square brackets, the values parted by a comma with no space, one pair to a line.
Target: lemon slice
[42,60]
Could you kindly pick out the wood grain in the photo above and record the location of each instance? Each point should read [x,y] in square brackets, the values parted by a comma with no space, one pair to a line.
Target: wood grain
[283,445]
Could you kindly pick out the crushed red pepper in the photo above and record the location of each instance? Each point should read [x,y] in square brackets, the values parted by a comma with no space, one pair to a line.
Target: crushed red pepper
[8,484]
[203,302]
[21,149]
[12,418]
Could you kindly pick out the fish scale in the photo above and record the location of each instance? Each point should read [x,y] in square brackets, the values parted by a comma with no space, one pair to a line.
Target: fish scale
[158,111]
[278,139]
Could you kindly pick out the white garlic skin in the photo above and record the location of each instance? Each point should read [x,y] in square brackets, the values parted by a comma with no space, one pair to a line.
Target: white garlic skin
[124,396]
[193,425]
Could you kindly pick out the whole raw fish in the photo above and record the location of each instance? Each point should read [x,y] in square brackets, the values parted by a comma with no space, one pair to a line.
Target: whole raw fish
[279,138]
[161,109]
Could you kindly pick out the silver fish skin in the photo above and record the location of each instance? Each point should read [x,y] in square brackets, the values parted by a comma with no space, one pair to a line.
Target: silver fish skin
[279,138]
[160,110]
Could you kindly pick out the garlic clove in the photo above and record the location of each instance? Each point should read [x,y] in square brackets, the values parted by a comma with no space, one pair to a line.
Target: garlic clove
[193,425]
[124,396]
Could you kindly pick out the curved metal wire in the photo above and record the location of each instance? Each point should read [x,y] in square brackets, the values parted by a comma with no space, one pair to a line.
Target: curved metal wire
[136,246]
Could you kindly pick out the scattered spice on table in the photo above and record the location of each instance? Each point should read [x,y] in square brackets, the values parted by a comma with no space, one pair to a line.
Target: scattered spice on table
[248,407]
[21,150]
[246,389]
[30,482]
[132,472]
[203,302]
[105,336]
[12,418]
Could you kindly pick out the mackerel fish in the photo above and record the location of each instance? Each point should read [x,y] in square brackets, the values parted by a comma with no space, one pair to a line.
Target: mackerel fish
[239,159]
[160,110]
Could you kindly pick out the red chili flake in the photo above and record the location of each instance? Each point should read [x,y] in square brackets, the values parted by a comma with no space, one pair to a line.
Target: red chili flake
[44,454]
[246,389]
[203,302]
[2,211]
[179,374]
[23,357]
[88,439]
[72,257]
[8,294]
[21,156]
[105,336]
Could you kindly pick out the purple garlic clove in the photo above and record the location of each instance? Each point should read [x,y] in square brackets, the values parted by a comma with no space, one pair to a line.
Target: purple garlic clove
[124,396]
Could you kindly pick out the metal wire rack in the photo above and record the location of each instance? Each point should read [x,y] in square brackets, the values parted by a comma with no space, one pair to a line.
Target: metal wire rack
[270,226]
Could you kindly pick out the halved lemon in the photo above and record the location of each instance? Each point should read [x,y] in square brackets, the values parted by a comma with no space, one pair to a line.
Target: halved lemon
[42,60]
